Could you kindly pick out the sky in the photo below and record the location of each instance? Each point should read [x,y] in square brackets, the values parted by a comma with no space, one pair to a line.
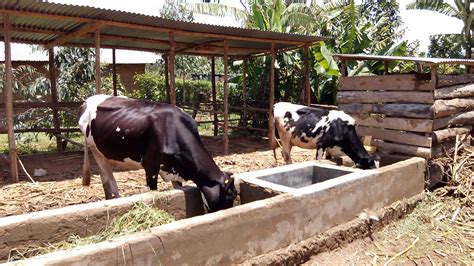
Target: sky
[419,25]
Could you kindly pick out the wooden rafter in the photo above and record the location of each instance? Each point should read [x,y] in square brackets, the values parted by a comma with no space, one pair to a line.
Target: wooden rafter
[77,33]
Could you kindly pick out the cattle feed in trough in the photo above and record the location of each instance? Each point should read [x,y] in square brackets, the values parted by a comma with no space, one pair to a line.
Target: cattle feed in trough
[158,137]
[316,128]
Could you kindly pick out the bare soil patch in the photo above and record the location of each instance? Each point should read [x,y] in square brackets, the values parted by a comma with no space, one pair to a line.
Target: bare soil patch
[62,185]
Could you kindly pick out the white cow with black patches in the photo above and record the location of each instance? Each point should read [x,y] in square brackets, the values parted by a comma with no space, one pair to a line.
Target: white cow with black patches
[160,138]
[315,128]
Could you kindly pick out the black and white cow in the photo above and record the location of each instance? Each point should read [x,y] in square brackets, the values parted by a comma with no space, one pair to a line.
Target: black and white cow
[315,128]
[158,137]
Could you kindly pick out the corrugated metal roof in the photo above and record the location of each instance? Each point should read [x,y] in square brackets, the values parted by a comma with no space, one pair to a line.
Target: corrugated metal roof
[41,22]
[422,60]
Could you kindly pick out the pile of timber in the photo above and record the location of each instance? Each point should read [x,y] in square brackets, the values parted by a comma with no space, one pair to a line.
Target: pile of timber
[410,113]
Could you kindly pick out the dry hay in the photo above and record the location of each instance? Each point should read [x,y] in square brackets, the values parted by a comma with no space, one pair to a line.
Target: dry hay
[141,217]
[24,197]
[441,228]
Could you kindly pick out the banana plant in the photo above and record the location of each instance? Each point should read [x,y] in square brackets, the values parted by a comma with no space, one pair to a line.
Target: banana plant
[460,10]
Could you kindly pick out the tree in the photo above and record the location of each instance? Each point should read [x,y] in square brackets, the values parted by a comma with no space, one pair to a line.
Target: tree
[460,10]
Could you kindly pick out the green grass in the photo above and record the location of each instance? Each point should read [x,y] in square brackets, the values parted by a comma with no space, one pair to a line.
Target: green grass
[27,143]
[141,217]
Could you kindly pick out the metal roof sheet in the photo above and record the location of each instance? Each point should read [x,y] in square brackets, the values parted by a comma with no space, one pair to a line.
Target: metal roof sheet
[41,22]
[422,60]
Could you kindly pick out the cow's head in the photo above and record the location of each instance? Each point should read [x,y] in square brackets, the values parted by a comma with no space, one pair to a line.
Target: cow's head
[369,162]
[339,130]
[221,195]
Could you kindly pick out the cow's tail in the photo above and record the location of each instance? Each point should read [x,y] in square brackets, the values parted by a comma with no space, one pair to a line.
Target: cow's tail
[86,172]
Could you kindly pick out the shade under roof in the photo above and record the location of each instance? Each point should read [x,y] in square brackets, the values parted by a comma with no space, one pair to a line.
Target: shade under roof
[52,24]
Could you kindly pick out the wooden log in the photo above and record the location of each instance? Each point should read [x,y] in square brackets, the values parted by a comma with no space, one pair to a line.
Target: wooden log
[225,138]
[23,105]
[44,130]
[407,124]
[442,108]
[396,109]
[447,147]
[403,149]
[271,100]
[450,80]
[98,84]
[214,95]
[395,136]
[466,118]
[54,97]
[395,82]
[384,96]
[458,91]
[440,136]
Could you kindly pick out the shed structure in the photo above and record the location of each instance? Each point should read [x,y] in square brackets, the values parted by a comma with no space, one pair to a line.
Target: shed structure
[417,114]
[52,25]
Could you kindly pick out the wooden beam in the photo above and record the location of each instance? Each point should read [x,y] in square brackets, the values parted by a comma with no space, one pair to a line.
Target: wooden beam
[226,98]
[171,70]
[393,82]
[457,91]
[306,75]
[384,96]
[385,67]
[54,97]
[271,98]
[412,110]
[244,92]
[403,149]
[343,69]
[407,124]
[443,108]
[466,118]
[7,81]
[77,33]
[114,73]
[395,136]
[167,82]
[214,96]
[97,62]
[440,136]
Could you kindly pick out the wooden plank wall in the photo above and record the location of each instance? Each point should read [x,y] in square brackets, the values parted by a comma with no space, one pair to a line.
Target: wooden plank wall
[409,113]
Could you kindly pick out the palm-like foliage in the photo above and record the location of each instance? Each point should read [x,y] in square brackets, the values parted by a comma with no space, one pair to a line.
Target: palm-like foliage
[460,10]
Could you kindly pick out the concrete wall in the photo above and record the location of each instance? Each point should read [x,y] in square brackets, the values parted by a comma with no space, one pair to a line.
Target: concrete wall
[86,219]
[243,232]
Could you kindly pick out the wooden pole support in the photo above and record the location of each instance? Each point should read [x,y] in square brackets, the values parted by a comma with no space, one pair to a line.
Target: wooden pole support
[171,70]
[226,98]
[97,61]
[214,96]
[271,101]
[306,75]
[54,98]
[7,81]
[244,93]
[114,72]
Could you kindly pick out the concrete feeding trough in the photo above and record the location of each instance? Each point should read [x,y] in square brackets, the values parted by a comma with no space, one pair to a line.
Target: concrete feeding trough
[273,214]
[264,183]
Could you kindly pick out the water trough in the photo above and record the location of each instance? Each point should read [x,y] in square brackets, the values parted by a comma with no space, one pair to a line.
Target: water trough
[279,207]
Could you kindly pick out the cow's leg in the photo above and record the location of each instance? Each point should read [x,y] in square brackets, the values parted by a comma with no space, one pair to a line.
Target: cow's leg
[106,174]
[286,151]
[152,168]
[320,154]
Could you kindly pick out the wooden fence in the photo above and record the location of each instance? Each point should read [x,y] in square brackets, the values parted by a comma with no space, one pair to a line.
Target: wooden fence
[412,114]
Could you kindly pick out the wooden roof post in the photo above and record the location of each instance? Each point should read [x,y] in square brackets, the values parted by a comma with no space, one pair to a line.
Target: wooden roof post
[244,92]
[434,76]
[7,81]
[226,98]
[343,68]
[306,75]
[385,67]
[171,70]
[54,99]
[114,72]
[214,96]
[271,126]
[167,82]
[97,61]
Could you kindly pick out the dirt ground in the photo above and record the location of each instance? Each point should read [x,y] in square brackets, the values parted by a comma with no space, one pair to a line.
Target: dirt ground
[62,184]
[419,233]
